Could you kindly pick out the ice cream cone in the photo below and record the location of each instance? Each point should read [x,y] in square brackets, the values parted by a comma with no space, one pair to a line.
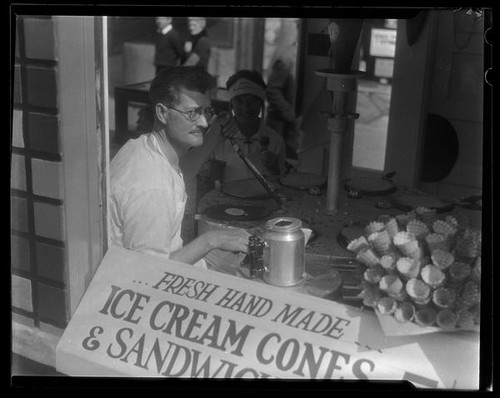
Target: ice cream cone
[374,274]
[405,312]
[432,275]
[437,241]
[388,262]
[358,244]
[426,215]
[368,257]
[392,228]
[446,319]
[370,294]
[405,242]
[380,241]
[387,305]
[442,259]
[404,218]
[374,226]
[391,284]
[459,271]
[444,228]
[425,316]
[408,267]
[444,297]
[417,228]
[419,292]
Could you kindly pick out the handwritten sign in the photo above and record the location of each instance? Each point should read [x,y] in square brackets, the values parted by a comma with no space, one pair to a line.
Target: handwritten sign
[150,317]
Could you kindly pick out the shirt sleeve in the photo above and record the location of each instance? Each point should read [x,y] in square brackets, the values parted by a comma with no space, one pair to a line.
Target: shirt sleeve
[148,221]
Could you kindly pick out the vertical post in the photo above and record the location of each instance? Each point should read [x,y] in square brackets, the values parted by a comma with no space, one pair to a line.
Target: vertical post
[339,85]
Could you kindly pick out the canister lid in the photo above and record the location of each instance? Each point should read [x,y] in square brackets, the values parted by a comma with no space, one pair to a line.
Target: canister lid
[284,224]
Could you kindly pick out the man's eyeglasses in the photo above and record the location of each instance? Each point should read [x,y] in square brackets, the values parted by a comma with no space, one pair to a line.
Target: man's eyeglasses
[194,114]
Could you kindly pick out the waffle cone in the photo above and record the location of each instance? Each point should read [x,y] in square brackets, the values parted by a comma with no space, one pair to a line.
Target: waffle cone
[444,297]
[405,242]
[358,244]
[442,259]
[436,241]
[368,257]
[425,316]
[381,241]
[374,226]
[418,291]
[405,312]
[426,215]
[446,319]
[459,271]
[401,296]
[432,275]
[370,295]
[392,227]
[403,219]
[408,267]
[373,274]
[387,305]
[417,228]
[444,228]
[388,262]
[391,284]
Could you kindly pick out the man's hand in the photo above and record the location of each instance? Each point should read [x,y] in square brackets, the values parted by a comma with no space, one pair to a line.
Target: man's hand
[232,240]
[224,126]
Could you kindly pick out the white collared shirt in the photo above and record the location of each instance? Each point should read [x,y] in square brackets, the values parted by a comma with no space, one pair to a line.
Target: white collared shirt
[148,197]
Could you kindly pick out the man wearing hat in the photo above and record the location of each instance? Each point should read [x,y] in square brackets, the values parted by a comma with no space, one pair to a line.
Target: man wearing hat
[259,143]
[263,146]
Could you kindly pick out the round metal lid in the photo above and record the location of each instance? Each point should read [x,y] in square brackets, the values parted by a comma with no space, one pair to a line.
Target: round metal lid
[284,224]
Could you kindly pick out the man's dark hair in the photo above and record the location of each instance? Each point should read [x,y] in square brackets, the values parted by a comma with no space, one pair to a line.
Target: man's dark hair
[251,75]
[167,85]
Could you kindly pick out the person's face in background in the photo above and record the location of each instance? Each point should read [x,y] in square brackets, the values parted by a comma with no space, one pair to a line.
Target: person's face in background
[196,25]
[247,108]
[162,22]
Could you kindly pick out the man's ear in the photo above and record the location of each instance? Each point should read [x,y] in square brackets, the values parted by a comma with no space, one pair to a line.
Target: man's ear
[161,112]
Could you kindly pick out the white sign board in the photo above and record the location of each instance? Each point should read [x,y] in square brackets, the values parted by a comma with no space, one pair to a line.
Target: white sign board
[383,43]
[150,317]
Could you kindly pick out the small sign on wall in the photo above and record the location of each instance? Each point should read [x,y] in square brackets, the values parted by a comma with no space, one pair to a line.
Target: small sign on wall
[383,42]
[147,316]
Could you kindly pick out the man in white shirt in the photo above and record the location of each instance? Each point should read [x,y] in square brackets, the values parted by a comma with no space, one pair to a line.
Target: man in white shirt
[148,194]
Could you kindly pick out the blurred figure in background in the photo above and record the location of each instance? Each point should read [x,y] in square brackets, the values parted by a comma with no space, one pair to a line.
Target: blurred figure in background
[245,126]
[197,47]
[262,145]
[281,88]
[168,45]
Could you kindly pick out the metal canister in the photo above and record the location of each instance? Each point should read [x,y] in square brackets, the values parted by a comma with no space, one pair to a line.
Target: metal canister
[284,252]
